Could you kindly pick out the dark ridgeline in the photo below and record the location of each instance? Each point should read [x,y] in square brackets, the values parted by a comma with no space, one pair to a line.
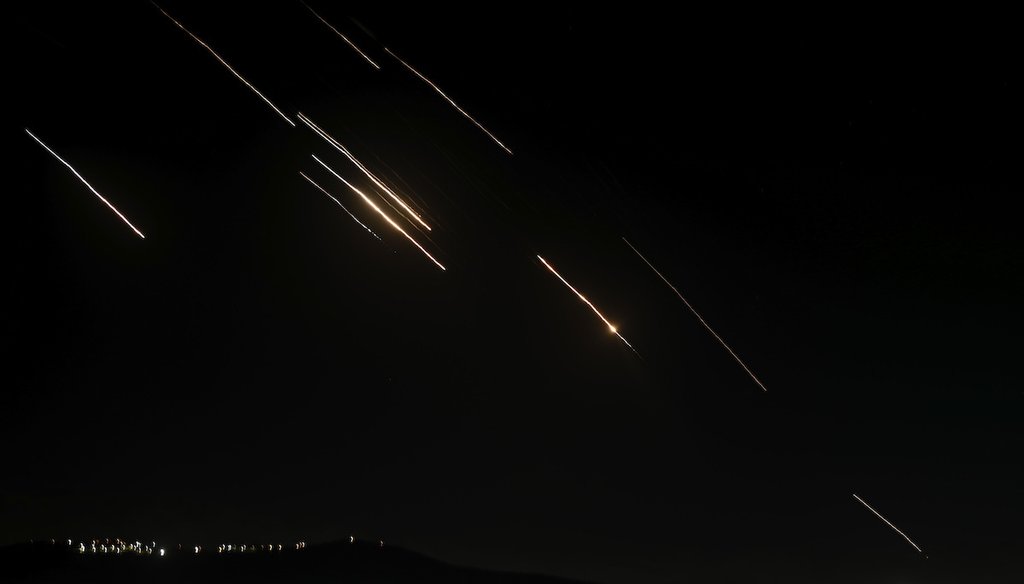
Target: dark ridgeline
[333,562]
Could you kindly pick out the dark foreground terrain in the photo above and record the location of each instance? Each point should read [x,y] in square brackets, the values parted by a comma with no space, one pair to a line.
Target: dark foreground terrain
[336,562]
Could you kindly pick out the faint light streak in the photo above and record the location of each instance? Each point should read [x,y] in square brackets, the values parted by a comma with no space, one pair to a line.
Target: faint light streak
[699,317]
[449,100]
[86,183]
[380,184]
[225,63]
[879,515]
[354,218]
[343,37]
[611,327]
[381,213]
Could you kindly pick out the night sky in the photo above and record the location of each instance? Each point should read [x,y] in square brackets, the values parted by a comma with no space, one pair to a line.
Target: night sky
[840,205]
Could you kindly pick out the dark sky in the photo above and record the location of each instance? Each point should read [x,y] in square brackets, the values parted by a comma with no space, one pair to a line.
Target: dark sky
[840,203]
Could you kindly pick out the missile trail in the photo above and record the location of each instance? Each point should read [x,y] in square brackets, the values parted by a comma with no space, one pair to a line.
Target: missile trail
[373,178]
[699,317]
[381,213]
[86,183]
[354,218]
[225,63]
[610,326]
[343,37]
[449,100]
[870,508]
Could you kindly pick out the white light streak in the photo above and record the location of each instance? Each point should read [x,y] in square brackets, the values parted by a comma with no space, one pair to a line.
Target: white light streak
[343,37]
[86,183]
[381,213]
[611,327]
[699,317]
[330,140]
[225,63]
[354,218]
[879,515]
[449,100]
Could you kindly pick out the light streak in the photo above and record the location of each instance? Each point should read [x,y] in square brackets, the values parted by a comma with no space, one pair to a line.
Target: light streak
[354,218]
[343,37]
[225,63]
[449,100]
[330,140]
[699,317]
[879,515]
[381,213]
[611,327]
[86,183]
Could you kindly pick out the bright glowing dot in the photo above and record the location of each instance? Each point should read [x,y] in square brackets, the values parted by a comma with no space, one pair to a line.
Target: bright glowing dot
[196,549]
[351,539]
[161,552]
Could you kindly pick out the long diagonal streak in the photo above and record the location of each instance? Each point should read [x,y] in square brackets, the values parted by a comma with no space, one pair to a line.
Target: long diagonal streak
[610,326]
[373,178]
[343,207]
[343,37]
[381,213]
[86,183]
[449,100]
[225,63]
[699,317]
[870,508]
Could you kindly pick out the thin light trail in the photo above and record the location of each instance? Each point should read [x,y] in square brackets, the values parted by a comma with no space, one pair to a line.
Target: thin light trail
[343,37]
[381,213]
[699,317]
[86,183]
[879,515]
[354,218]
[611,327]
[330,140]
[449,100]
[225,63]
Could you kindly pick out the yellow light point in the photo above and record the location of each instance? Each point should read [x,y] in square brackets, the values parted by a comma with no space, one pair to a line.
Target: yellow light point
[225,63]
[354,218]
[381,213]
[879,515]
[610,326]
[449,100]
[343,37]
[330,140]
[86,183]
[699,317]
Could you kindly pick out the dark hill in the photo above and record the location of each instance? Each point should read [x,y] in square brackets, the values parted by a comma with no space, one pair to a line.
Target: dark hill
[334,563]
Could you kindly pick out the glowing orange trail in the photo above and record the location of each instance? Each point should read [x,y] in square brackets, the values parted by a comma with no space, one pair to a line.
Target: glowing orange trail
[86,183]
[330,140]
[354,218]
[699,317]
[343,37]
[225,63]
[611,327]
[870,508]
[449,100]
[381,213]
